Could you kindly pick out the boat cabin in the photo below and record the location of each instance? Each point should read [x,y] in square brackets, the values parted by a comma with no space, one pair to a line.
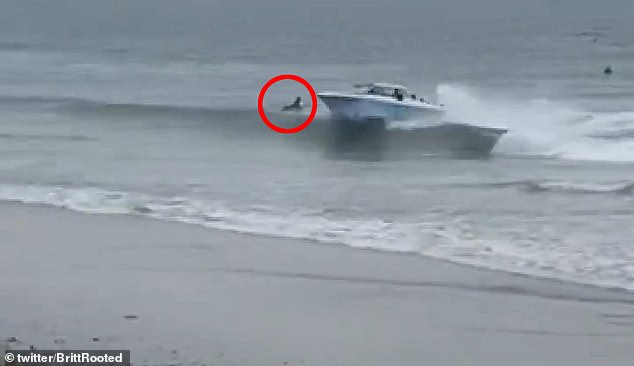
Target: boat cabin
[384,89]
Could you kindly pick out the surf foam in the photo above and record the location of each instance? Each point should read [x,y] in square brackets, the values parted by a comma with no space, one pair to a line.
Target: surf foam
[432,236]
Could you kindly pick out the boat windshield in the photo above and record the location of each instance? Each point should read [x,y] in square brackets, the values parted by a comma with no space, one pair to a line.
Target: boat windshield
[386,91]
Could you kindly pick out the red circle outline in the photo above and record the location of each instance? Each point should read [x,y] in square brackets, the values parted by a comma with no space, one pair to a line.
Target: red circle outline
[313,108]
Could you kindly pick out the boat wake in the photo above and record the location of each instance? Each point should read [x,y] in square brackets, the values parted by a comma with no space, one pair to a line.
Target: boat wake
[544,128]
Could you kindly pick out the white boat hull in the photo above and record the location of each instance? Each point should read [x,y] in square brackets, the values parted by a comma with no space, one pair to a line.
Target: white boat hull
[362,107]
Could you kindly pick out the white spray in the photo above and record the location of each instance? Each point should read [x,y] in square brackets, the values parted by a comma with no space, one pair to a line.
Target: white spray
[541,127]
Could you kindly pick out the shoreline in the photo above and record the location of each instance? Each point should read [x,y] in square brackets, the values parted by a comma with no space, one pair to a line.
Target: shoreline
[619,290]
[68,277]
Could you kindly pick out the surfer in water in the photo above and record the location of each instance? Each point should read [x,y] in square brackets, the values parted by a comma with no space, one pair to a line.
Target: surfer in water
[297,105]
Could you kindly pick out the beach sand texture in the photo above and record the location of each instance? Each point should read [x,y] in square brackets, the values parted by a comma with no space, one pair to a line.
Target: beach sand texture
[180,294]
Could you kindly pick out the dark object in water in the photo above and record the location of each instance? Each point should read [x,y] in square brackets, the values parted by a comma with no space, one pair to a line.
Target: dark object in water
[296,106]
[12,340]
[95,339]
[608,70]
[130,316]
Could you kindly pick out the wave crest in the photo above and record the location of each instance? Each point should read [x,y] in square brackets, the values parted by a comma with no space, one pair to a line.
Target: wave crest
[562,186]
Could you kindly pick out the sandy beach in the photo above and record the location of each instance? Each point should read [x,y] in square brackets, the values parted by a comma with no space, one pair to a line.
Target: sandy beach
[196,296]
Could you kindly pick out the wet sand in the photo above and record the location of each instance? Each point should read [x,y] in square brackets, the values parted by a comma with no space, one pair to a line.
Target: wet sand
[181,294]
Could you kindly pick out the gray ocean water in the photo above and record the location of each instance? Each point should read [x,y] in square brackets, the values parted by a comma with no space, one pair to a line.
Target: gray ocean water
[148,107]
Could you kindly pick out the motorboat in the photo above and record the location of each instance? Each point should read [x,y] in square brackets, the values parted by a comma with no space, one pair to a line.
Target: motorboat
[372,106]
[386,101]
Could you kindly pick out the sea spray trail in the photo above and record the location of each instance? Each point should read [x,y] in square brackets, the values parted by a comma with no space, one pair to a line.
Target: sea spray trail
[541,127]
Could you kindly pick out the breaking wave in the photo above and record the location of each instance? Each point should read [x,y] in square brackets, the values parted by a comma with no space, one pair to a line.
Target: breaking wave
[537,186]
[434,239]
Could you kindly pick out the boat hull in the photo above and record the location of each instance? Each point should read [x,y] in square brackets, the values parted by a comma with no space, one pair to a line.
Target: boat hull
[368,107]
[459,138]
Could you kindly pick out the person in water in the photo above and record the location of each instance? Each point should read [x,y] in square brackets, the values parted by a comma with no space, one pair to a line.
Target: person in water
[297,105]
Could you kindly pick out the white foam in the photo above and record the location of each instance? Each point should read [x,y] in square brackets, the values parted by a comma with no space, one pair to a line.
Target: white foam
[437,237]
[586,187]
[541,127]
